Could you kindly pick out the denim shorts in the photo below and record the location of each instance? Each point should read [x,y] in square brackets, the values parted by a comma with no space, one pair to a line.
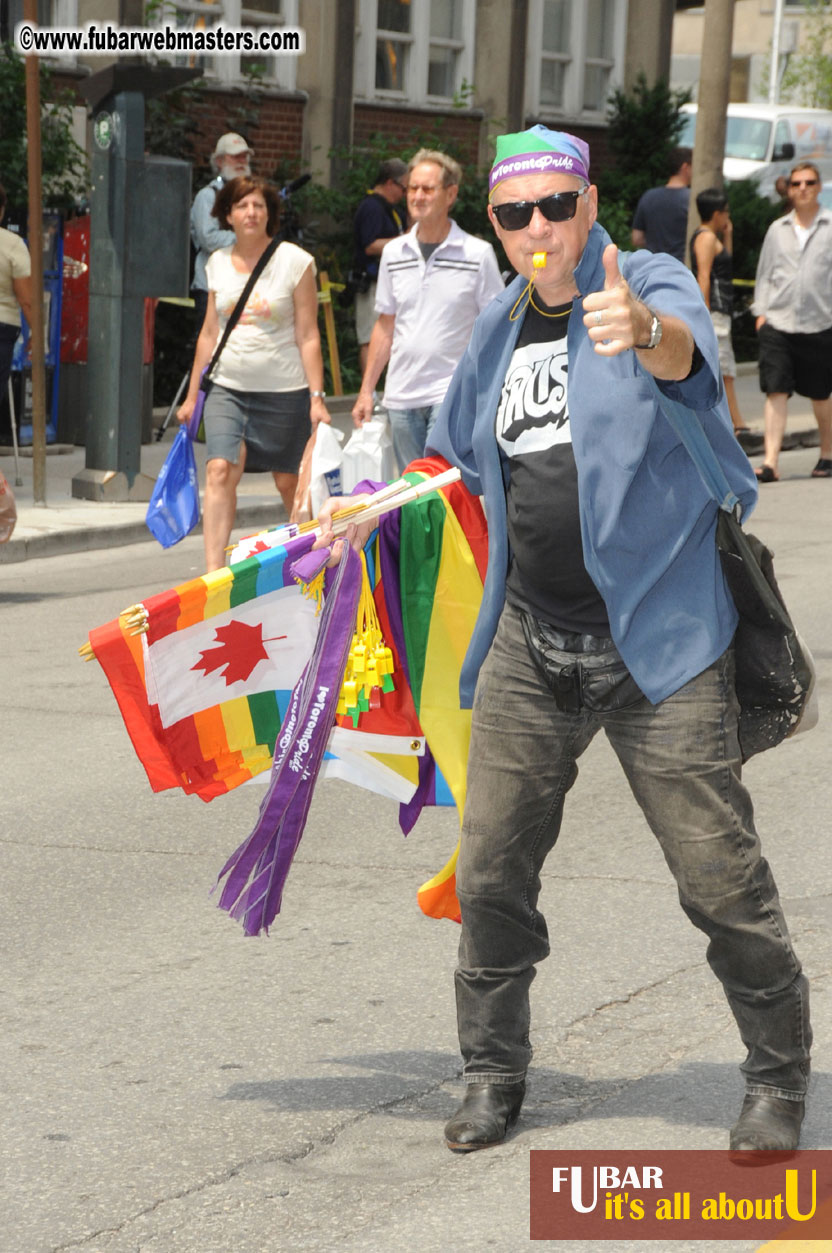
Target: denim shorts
[274,425]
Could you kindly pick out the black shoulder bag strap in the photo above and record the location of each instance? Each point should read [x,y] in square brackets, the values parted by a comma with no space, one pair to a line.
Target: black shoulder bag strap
[236,312]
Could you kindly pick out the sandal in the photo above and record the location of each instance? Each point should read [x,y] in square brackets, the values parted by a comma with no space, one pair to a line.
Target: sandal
[823,470]
[765,474]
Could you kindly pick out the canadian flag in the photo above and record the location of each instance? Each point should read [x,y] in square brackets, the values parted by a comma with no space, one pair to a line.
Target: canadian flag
[259,646]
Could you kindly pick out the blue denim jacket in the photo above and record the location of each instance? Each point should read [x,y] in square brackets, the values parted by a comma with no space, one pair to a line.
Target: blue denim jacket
[206,232]
[647,519]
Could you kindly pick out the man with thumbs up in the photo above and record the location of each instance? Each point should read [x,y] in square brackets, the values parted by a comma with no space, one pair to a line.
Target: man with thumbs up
[604,607]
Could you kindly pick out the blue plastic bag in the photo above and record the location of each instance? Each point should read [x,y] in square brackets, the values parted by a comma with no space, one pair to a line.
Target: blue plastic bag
[173,511]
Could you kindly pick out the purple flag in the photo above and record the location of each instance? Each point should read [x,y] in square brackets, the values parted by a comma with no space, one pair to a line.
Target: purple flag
[257,870]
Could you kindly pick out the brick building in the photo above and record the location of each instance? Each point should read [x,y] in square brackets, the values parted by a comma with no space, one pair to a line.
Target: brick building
[473,66]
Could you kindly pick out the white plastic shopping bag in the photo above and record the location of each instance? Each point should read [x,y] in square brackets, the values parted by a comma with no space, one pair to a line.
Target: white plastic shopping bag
[319,475]
[368,455]
[325,471]
[8,509]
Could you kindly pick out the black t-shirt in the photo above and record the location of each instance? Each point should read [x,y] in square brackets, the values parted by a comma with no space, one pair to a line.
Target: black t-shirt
[662,213]
[375,218]
[547,575]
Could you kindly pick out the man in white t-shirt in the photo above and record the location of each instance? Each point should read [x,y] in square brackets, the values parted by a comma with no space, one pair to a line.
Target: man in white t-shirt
[433,282]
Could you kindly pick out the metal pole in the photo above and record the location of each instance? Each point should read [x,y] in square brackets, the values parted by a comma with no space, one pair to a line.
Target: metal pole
[36,251]
[774,73]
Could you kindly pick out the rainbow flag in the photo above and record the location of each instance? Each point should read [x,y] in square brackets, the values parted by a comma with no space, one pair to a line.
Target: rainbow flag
[204,692]
[439,546]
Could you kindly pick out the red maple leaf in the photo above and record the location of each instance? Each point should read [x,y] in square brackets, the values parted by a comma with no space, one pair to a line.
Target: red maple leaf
[260,547]
[239,650]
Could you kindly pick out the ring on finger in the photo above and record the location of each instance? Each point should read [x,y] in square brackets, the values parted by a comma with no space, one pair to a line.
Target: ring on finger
[599,317]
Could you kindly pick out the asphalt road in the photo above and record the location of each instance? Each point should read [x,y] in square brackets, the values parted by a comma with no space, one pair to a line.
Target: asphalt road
[171,1086]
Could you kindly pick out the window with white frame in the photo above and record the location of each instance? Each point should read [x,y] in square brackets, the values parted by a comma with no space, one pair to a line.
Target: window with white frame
[47,13]
[574,57]
[419,52]
[231,68]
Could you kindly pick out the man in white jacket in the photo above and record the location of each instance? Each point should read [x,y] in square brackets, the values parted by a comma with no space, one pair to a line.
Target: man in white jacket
[793,306]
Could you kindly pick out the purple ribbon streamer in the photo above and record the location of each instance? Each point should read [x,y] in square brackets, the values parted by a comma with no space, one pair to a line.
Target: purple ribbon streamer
[257,870]
[195,420]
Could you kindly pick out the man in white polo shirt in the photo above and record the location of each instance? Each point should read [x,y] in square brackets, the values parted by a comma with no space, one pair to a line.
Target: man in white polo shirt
[432,284]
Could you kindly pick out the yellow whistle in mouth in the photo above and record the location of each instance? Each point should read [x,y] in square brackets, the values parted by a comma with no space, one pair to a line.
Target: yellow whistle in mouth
[539,260]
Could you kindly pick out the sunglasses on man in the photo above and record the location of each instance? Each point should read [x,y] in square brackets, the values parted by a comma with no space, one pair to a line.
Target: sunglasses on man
[561,206]
[804,182]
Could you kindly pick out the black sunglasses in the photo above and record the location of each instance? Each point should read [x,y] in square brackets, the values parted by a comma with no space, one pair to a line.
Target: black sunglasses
[804,182]
[561,206]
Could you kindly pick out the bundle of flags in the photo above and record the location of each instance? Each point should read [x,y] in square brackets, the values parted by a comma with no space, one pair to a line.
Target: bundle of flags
[205,689]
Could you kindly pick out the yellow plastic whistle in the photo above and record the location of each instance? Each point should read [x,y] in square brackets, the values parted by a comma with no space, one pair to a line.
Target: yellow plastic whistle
[539,260]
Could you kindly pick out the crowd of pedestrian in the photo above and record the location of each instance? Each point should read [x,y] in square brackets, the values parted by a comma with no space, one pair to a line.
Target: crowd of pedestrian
[419,283]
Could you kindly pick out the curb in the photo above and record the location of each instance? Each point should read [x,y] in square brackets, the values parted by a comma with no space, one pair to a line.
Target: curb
[90,538]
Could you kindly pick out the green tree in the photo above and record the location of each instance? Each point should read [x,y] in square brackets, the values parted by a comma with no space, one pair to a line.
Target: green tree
[644,127]
[64,168]
[171,121]
[808,76]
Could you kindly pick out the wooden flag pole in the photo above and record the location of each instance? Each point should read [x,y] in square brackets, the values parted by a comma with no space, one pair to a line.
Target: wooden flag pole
[325,299]
[32,78]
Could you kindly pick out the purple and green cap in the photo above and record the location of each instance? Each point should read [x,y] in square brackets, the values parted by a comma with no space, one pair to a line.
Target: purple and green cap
[538,151]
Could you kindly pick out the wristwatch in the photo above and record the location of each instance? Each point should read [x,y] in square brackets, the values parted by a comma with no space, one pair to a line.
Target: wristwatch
[323,394]
[655,331]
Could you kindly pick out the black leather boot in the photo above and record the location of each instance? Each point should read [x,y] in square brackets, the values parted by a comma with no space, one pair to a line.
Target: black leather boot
[485,1115]
[767,1124]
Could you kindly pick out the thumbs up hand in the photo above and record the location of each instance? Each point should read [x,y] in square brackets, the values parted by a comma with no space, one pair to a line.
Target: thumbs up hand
[614,319]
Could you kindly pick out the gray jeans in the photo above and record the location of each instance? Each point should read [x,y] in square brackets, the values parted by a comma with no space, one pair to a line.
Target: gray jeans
[682,763]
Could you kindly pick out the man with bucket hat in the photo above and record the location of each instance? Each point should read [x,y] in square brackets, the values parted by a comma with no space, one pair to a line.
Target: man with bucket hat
[604,607]
[230,159]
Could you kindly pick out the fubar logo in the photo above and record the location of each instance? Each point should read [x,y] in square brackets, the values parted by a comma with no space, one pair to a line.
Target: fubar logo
[605,1178]
[680,1195]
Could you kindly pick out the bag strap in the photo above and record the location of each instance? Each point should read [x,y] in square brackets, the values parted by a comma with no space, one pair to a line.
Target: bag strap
[689,429]
[262,261]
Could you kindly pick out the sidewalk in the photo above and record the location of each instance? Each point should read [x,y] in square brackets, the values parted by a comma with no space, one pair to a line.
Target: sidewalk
[66,525]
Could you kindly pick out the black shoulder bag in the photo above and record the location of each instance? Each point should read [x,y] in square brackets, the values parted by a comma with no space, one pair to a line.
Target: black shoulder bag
[774,669]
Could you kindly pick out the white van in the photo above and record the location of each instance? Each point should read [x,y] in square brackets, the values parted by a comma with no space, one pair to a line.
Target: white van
[763,141]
